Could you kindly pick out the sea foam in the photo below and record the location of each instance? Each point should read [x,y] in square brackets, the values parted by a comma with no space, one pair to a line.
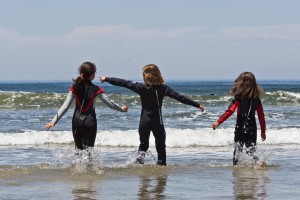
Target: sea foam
[128,138]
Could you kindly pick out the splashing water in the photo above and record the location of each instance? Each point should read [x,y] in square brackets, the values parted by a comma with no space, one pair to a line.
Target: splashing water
[249,156]
[136,155]
[80,161]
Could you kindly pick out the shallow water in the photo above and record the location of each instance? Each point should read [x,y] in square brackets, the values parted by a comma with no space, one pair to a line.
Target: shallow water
[192,173]
[39,164]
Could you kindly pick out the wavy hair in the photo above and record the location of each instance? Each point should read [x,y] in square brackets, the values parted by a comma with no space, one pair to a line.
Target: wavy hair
[152,75]
[245,86]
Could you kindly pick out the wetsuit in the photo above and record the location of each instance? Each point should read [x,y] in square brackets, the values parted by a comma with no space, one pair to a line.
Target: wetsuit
[84,122]
[245,130]
[151,116]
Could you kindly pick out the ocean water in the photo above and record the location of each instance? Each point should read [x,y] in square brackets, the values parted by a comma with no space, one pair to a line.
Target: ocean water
[36,164]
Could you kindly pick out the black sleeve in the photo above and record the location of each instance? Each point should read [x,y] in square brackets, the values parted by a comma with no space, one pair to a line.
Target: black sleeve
[136,87]
[172,94]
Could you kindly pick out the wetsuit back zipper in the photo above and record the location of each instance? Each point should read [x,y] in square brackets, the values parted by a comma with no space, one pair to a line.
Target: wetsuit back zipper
[160,117]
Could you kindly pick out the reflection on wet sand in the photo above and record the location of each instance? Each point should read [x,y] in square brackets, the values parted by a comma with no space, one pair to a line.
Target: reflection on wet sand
[249,183]
[152,187]
[85,190]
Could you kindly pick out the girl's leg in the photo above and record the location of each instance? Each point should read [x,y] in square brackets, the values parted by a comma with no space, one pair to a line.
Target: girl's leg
[238,148]
[78,137]
[90,131]
[144,145]
[77,130]
[160,143]
[89,137]
[250,143]
[144,139]
[89,134]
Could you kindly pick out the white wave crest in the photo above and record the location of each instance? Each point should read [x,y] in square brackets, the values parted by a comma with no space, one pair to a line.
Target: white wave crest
[284,95]
[128,138]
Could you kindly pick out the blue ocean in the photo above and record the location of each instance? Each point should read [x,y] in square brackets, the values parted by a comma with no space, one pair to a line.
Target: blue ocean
[35,163]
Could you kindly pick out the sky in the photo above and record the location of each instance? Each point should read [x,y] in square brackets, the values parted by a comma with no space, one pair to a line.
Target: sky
[189,40]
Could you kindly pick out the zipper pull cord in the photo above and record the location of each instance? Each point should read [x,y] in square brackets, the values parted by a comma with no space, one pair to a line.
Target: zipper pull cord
[83,100]
[160,117]
[248,113]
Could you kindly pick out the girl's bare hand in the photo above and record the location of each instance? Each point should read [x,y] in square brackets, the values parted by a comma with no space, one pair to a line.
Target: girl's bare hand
[201,108]
[215,125]
[49,125]
[102,78]
[124,108]
[263,136]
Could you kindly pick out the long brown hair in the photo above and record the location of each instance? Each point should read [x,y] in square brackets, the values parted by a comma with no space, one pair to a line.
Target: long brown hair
[85,70]
[245,86]
[152,75]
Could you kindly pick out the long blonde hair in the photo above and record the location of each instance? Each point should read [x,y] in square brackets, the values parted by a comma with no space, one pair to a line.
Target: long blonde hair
[245,86]
[152,75]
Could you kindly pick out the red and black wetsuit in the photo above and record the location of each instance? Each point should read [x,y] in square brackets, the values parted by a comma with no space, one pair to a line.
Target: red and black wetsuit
[245,130]
[151,118]
[84,122]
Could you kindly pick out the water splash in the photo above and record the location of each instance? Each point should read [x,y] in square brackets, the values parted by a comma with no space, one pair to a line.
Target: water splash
[135,155]
[80,161]
[250,157]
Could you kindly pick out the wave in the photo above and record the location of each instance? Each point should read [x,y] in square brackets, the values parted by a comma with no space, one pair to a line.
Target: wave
[130,138]
[29,100]
[282,97]
[11,100]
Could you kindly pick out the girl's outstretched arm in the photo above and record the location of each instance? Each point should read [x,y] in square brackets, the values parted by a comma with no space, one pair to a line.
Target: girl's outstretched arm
[112,104]
[63,109]
[182,99]
[227,114]
[136,87]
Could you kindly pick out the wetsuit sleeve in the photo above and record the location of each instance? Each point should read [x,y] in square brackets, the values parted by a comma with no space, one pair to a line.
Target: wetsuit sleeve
[64,108]
[136,87]
[182,99]
[109,102]
[229,111]
[261,118]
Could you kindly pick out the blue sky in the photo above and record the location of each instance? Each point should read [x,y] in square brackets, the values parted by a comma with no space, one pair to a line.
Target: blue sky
[188,40]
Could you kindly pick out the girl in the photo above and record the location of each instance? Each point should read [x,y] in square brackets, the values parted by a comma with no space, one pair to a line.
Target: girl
[84,123]
[152,94]
[246,94]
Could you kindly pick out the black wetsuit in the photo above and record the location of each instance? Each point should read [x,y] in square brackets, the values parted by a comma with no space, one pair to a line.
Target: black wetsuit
[246,129]
[151,118]
[84,122]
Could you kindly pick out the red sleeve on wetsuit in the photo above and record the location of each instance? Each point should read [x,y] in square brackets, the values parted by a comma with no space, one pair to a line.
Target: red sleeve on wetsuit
[229,111]
[261,118]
